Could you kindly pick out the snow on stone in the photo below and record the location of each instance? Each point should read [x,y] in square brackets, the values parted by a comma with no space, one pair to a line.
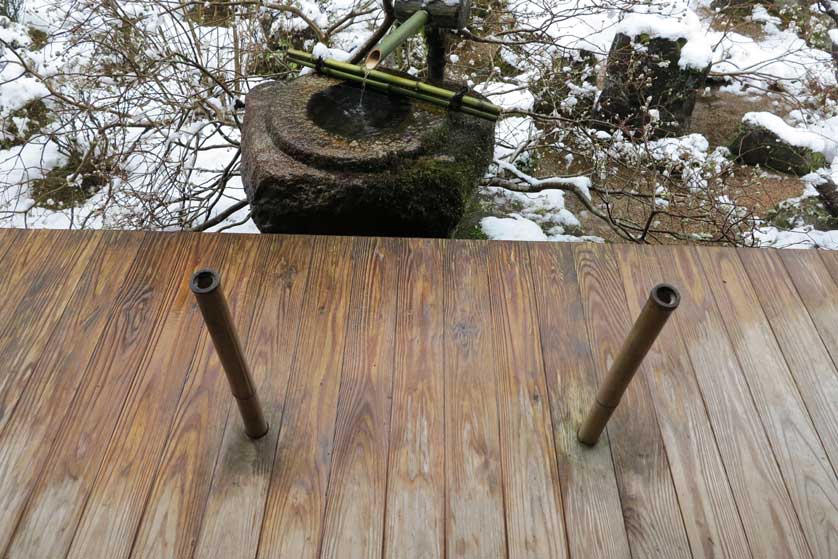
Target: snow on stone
[512,229]
[696,53]
[823,137]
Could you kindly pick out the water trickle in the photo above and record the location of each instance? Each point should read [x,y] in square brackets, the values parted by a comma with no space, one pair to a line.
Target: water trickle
[350,111]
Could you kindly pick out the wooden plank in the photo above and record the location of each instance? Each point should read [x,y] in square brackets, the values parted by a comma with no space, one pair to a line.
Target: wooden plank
[26,441]
[50,517]
[50,284]
[767,514]
[112,512]
[236,503]
[809,362]
[810,479]
[532,497]
[650,505]
[415,512]
[830,260]
[29,267]
[590,496]
[293,520]
[704,495]
[818,291]
[174,509]
[353,526]
[474,516]
[8,238]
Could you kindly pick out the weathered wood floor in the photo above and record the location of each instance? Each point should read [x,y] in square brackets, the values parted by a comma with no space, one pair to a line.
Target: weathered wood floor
[423,397]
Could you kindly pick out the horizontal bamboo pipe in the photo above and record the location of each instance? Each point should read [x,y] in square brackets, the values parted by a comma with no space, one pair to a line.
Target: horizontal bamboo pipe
[663,299]
[377,75]
[206,286]
[389,88]
[396,37]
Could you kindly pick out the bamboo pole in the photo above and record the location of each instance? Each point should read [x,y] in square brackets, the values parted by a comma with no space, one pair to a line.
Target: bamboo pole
[396,37]
[473,102]
[390,88]
[663,299]
[206,286]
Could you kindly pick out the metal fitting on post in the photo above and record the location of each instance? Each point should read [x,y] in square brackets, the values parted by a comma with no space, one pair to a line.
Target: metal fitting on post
[206,286]
[663,299]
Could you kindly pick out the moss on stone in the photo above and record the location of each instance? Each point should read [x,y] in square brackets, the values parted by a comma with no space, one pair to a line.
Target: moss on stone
[809,211]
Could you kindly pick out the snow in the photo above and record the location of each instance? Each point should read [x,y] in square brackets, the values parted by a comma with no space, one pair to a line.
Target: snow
[822,137]
[696,54]
[512,229]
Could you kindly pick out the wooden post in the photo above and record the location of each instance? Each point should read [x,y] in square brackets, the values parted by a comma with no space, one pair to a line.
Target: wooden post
[663,299]
[206,285]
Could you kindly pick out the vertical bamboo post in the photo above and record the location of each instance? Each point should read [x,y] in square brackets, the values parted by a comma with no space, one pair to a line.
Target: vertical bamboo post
[206,285]
[663,299]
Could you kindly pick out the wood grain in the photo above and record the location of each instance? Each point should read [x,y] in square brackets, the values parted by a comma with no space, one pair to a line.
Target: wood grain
[475,515]
[650,505]
[818,291]
[808,361]
[704,495]
[810,479]
[532,497]
[41,296]
[59,371]
[415,519]
[293,521]
[357,483]
[591,500]
[236,503]
[767,514]
[174,509]
[8,238]
[114,508]
[52,513]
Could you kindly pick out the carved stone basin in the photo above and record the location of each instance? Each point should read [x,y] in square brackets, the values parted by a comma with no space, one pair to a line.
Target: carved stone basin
[323,156]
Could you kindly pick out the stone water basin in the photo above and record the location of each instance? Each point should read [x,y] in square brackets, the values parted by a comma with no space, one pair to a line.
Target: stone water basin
[322,156]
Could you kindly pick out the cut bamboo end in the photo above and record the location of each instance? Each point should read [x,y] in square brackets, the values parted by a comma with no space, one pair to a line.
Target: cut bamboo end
[373,59]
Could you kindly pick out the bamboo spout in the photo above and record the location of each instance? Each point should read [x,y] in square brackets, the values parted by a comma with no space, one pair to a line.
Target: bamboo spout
[663,299]
[206,286]
[389,43]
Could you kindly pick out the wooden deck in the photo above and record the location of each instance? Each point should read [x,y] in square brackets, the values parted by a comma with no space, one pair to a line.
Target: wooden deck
[423,398]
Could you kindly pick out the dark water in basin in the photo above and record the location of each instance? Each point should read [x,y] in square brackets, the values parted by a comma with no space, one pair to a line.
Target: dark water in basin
[352,112]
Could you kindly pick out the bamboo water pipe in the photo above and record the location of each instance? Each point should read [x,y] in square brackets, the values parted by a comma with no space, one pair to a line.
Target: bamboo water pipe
[663,299]
[388,44]
[206,286]
[391,88]
[306,59]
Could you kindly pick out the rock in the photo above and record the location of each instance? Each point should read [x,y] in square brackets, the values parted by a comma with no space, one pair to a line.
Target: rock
[757,145]
[642,70]
[828,193]
[408,169]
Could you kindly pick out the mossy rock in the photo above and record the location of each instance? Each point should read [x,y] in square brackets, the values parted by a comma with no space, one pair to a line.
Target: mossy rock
[809,211]
[635,77]
[755,145]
